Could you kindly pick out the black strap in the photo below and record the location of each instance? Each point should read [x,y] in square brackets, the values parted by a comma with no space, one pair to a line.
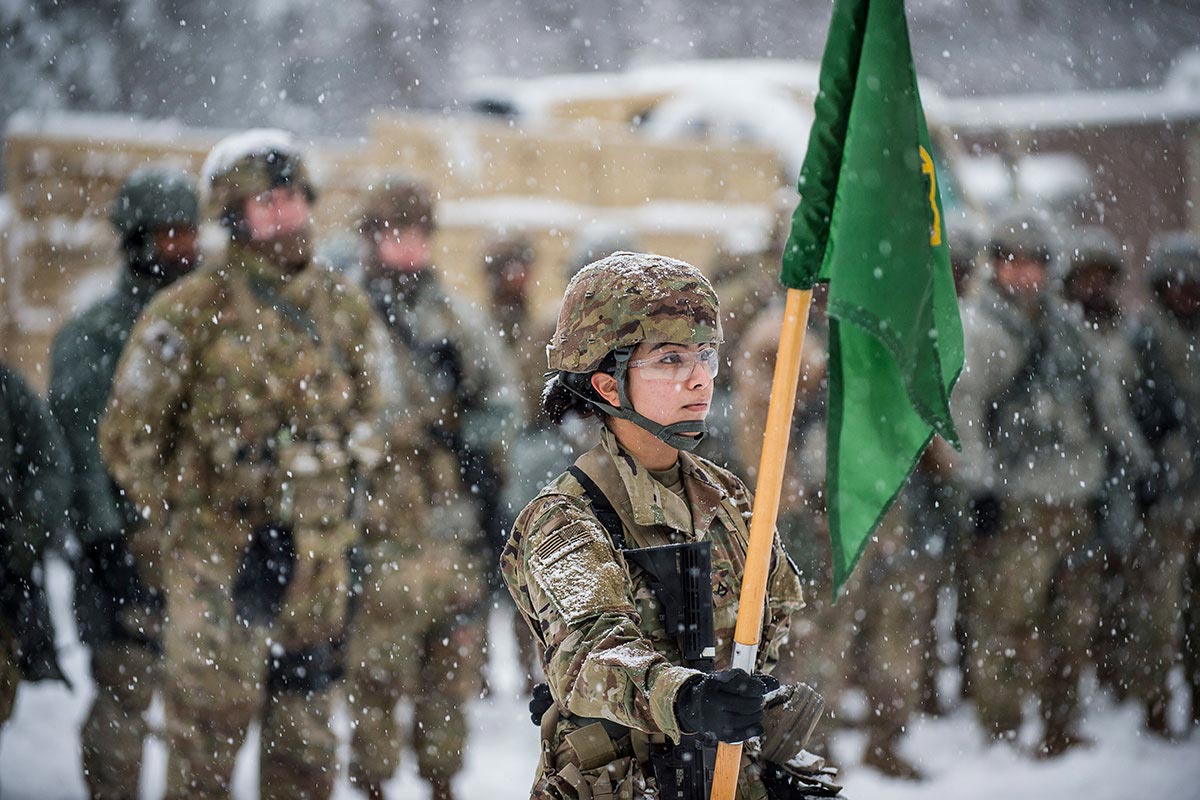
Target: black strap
[602,507]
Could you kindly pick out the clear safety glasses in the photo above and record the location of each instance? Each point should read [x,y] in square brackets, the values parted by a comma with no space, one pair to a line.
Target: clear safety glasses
[677,365]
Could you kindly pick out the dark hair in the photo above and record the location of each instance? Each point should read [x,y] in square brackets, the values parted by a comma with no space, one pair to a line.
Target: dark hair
[563,389]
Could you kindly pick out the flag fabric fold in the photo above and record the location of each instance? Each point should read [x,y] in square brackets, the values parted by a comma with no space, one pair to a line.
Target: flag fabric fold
[870,224]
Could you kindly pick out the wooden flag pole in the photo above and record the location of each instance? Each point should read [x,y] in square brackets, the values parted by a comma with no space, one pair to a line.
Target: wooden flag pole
[766,510]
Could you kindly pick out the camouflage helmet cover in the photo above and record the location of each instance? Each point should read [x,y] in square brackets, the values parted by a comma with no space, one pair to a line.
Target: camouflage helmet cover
[1022,233]
[247,164]
[399,202]
[1175,258]
[628,298]
[154,197]
[1092,245]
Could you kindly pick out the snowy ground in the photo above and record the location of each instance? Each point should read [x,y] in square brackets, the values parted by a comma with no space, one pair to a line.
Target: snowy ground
[39,749]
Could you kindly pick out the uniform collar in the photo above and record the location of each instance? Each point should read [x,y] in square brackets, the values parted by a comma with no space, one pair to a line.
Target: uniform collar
[258,268]
[654,504]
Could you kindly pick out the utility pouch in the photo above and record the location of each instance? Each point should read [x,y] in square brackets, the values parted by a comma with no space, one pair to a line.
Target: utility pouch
[316,480]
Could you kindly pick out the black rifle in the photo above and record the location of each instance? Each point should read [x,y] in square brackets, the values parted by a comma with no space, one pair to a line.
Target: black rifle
[680,577]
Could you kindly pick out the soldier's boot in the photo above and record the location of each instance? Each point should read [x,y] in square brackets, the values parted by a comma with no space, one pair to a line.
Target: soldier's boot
[1061,735]
[439,789]
[374,791]
[881,755]
[1156,716]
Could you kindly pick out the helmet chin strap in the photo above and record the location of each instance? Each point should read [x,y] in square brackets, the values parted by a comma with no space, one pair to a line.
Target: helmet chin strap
[675,434]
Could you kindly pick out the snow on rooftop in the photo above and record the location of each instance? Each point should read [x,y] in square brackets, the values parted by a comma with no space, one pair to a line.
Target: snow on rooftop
[721,219]
[1178,100]
[96,127]
[535,96]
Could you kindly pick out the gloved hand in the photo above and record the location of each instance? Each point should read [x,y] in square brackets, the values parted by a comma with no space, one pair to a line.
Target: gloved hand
[540,702]
[985,514]
[727,704]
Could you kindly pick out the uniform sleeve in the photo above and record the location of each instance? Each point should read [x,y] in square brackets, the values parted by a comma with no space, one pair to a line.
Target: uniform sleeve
[41,475]
[78,396]
[571,582]
[784,599]
[137,433]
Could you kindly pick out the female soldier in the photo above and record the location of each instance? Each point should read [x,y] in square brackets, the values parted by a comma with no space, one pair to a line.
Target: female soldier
[637,706]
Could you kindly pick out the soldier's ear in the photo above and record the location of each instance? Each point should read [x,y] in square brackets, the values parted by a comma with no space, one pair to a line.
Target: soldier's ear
[606,386]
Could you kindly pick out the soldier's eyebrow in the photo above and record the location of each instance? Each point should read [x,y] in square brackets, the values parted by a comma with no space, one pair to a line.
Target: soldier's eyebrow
[666,344]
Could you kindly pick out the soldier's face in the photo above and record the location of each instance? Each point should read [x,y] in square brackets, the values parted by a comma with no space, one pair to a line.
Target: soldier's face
[1021,278]
[670,401]
[280,212]
[1093,287]
[403,250]
[177,249]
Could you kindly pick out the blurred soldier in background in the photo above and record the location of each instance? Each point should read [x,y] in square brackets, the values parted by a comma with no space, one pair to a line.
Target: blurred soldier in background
[424,603]
[1091,276]
[1033,464]
[1164,573]
[118,603]
[507,264]
[35,470]
[746,282]
[241,412]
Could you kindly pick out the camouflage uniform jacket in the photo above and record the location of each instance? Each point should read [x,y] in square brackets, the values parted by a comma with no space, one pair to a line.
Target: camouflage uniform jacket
[1168,401]
[227,371]
[472,380]
[1026,406]
[606,652]
[421,525]
[83,360]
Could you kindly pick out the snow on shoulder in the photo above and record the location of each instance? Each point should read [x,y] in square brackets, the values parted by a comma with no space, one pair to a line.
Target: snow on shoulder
[256,141]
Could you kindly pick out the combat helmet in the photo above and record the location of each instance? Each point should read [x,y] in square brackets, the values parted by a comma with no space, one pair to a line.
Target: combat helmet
[614,304]
[154,197]
[1091,245]
[397,201]
[151,198]
[1174,259]
[247,164]
[1022,233]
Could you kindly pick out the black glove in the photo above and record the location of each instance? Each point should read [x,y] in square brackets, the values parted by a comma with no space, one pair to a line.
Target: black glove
[985,514]
[1148,489]
[727,704]
[264,574]
[540,702]
[113,568]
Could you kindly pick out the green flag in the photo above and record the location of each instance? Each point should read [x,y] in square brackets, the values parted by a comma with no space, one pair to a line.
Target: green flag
[870,224]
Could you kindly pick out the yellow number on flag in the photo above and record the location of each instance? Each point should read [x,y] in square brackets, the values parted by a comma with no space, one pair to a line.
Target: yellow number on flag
[935,237]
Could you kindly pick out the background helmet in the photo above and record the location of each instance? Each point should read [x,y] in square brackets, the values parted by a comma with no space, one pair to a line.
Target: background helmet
[397,202]
[1092,245]
[247,164]
[1021,234]
[618,302]
[1174,259]
[154,197]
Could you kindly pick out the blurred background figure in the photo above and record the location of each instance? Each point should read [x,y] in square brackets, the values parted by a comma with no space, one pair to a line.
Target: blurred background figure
[232,424]
[1164,570]
[35,470]
[1033,464]
[118,575]
[423,630]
